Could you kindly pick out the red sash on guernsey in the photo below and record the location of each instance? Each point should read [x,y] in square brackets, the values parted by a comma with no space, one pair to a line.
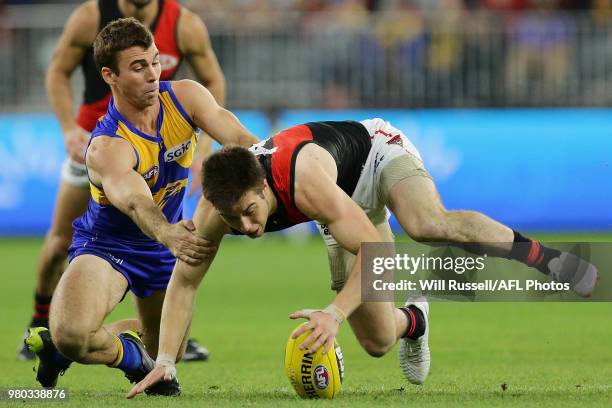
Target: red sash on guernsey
[288,144]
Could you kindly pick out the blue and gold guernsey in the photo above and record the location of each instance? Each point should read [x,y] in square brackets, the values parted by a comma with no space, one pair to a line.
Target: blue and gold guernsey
[163,160]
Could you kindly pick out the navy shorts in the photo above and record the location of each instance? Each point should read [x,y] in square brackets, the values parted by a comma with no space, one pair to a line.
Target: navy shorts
[147,265]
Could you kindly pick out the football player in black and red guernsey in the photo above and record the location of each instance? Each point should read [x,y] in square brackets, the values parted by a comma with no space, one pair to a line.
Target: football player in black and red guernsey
[343,175]
[179,34]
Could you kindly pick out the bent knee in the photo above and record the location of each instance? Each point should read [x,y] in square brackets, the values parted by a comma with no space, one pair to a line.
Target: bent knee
[376,347]
[430,228]
[58,244]
[151,342]
[71,341]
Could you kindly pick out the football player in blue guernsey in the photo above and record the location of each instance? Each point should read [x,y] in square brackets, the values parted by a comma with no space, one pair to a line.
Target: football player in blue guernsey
[132,233]
[344,175]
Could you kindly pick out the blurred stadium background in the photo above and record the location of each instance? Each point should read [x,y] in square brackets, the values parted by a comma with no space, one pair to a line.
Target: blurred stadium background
[456,76]
[508,102]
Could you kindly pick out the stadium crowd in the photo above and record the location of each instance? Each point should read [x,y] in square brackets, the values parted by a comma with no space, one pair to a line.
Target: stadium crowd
[410,53]
[373,5]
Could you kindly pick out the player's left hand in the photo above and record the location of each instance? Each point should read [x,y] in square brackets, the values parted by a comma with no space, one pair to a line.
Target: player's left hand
[184,244]
[324,329]
[158,374]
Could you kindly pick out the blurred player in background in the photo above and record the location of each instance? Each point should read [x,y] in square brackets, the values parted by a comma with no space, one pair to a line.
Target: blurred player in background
[179,34]
[343,175]
[132,233]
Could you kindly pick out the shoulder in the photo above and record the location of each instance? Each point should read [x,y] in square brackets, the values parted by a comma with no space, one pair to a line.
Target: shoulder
[192,33]
[315,187]
[105,126]
[184,90]
[189,20]
[110,151]
[106,143]
[183,86]
[80,23]
[312,160]
[191,95]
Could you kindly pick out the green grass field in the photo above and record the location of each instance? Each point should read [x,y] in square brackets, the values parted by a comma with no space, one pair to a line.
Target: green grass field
[546,354]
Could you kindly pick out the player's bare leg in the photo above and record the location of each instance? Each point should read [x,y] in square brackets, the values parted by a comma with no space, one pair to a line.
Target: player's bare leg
[417,206]
[125,325]
[88,291]
[149,313]
[71,202]
[379,325]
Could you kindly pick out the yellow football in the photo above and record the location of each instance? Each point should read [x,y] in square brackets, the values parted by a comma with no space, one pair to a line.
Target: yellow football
[315,375]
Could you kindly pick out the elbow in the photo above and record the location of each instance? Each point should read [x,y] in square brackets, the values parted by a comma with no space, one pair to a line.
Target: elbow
[217,80]
[190,282]
[50,79]
[217,87]
[248,140]
[52,72]
[130,205]
[55,76]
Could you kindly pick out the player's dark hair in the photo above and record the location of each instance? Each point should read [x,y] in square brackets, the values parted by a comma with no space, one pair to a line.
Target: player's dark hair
[117,36]
[229,173]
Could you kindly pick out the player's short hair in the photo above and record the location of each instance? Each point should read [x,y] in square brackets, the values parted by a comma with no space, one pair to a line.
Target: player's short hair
[117,36]
[229,173]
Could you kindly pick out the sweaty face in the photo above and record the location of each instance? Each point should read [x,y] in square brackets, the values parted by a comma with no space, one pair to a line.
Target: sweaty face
[249,215]
[138,79]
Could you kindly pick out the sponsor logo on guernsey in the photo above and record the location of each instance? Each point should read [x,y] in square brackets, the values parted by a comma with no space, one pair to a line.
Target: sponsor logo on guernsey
[175,152]
[152,172]
[396,140]
[168,61]
[321,377]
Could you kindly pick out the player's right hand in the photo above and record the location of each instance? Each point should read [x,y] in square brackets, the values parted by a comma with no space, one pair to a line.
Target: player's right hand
[324,329]
[180,239]
[158,374]
[76,140]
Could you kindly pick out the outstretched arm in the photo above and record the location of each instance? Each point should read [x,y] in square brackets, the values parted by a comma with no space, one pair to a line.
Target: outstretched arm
[209,116]
[318,196]
[194,44]
[110,162]
[179,302]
